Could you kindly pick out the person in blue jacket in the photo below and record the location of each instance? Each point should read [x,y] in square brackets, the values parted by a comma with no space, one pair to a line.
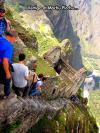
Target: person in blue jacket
[5,24]
[6,51]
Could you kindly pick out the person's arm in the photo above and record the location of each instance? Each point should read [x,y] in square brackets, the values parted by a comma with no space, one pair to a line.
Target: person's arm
[26,74]
[34,77]
[6,68]
[8,25]
[26,78]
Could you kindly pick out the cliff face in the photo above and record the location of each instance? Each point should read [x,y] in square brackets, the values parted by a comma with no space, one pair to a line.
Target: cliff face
[87,23]
[51,25]
[26,113]
[19,115]
[80,26]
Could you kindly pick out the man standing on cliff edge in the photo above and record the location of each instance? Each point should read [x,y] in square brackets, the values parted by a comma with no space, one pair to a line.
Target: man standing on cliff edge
[6,51]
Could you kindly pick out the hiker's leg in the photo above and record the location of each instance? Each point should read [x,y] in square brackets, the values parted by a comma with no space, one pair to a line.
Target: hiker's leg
[7,87]
[32,88]
[33,92]
[17,91]
[4,81]
[38,93]
[2,75]
[26,91]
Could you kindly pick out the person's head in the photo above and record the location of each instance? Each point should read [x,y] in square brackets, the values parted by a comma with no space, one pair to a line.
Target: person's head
[2,12]
[41,76]
[11,36]
[44,79]
[22,57]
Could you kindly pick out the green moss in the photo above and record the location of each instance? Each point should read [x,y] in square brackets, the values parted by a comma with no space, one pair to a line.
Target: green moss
[44,125]
[61,118]
[44,36]
[42,65]
[45,41]
[11,127]
[28,36]
[66,120]
[79,94]
[94,102]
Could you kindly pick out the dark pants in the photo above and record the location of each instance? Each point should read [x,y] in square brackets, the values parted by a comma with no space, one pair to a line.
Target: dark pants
[21,91]
[4,81]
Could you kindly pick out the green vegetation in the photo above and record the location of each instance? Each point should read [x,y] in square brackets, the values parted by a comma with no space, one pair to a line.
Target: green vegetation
[11,127]
[42,65]
[28,36]
[94,103]
[79,94]
[43,34]
[90,61]
[45,40]
[66,121]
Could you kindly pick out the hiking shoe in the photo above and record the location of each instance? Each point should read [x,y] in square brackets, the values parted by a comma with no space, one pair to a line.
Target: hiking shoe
[10,96]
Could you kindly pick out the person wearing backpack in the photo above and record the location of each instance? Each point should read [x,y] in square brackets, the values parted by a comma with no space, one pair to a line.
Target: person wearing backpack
[35,78]
[37,88]
[5,24]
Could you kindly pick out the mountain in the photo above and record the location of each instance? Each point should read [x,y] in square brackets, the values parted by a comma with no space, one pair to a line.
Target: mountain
[80,26]
[40,31]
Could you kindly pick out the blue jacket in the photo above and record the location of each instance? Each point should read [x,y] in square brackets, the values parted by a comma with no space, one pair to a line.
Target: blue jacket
[6,50]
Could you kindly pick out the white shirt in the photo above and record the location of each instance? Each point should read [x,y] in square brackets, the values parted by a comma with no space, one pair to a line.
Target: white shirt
[20,72]
[86,93]
[39,83]
[89,83]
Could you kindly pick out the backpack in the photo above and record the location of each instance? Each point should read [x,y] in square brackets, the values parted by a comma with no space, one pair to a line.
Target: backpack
[73,98]
[3,26]
[33,85]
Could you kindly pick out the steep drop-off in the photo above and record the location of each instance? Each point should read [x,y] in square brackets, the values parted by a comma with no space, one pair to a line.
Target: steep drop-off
[80,26]
[18,115]
[51,24]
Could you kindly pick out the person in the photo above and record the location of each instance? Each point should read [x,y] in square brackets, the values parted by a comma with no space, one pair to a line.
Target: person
[6,51]
[38,87]
[5,24]
[20,77]
[89,85]
[35,77]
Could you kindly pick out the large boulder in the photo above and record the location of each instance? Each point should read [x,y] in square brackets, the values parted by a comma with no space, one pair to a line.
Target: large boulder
[56,53]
